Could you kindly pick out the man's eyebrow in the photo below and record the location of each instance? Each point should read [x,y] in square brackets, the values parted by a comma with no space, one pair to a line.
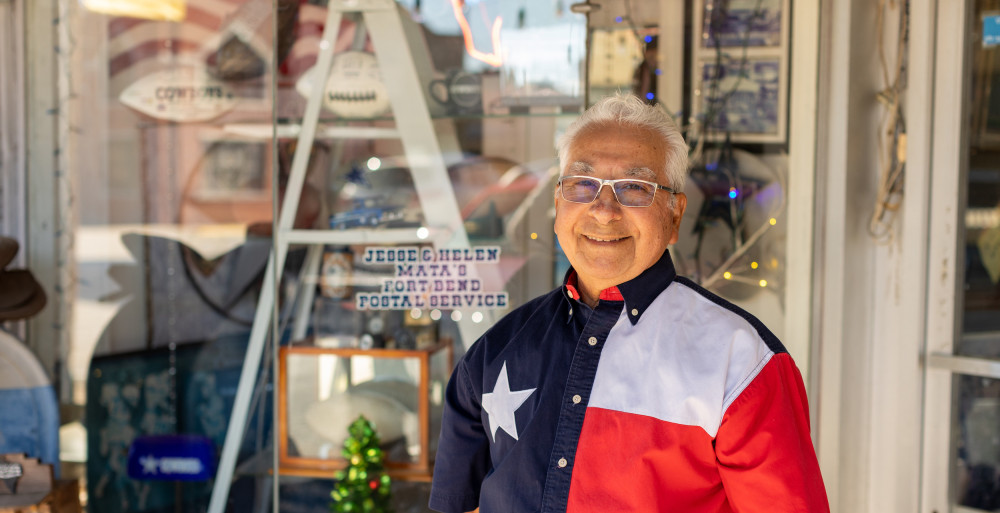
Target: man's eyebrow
[579,167]
[641,172]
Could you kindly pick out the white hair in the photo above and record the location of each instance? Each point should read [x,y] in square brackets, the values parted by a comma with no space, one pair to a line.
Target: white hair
[629,110]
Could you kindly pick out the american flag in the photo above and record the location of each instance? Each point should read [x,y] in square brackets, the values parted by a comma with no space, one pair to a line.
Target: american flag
[139,47]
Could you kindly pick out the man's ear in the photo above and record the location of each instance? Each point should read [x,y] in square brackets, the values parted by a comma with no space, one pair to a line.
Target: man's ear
[556,198]
[680,205]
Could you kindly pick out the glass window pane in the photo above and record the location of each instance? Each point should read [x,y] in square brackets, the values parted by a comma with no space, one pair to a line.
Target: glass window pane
[977,454]
[175,158]
[982,215]
[467,162]
[734,232]
[170,218]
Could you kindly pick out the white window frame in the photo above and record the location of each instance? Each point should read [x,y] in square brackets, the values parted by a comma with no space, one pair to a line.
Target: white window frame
[946,257]
[12,150]
[46,330]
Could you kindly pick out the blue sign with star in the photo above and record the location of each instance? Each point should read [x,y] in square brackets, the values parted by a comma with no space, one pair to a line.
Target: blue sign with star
[171,458]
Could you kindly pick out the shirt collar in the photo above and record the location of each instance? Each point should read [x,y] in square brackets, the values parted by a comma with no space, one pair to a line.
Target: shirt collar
[637,293]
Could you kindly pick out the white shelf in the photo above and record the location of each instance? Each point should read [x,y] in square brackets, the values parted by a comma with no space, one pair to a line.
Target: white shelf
[361,236]
[288,131]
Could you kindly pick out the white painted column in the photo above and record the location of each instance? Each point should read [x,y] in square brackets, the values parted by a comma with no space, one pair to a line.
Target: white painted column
[42,129]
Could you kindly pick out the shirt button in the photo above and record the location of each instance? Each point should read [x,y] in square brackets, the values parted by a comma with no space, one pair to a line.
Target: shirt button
[571,311]
[577,399]
[635,312]
[569,293]
[562,462]
[592,341]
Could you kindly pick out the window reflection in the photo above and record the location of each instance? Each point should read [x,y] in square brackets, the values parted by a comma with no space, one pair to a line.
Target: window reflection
[978,450]
[982,215]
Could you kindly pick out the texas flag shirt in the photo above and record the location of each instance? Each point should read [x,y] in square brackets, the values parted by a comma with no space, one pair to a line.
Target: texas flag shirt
[663,398]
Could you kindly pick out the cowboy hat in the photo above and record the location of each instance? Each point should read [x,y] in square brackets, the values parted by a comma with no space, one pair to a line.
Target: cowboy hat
[20,295]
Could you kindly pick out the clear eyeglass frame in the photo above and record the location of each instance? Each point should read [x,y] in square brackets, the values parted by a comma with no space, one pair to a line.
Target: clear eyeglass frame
[617,187]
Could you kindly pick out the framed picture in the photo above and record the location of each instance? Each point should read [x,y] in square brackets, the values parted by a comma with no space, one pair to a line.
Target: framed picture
[230,182]
[740,70]
[738,23]
[743,98]
[233,168]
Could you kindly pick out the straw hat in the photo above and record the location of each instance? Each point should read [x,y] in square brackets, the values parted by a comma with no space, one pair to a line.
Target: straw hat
[20,295]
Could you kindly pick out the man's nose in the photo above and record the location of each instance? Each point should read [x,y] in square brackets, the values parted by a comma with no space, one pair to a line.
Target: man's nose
[606,206]
[607,195]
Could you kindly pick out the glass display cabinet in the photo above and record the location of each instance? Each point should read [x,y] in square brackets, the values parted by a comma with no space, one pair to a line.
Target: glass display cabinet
[322,389]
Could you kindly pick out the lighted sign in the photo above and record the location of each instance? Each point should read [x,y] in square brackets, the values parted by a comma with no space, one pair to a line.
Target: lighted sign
[168,10]
[493,58]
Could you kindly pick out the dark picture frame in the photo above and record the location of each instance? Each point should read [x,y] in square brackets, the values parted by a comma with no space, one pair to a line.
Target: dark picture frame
[739,70]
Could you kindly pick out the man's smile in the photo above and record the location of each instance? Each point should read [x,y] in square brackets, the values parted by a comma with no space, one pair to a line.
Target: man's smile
[605,238]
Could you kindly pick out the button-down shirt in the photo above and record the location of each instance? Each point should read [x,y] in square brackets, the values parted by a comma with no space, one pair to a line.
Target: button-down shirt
[664,397]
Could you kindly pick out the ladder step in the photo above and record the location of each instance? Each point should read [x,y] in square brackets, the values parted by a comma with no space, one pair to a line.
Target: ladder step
[359,236]
[266,131]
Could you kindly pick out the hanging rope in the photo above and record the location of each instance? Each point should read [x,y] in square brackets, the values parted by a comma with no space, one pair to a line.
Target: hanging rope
[892,132]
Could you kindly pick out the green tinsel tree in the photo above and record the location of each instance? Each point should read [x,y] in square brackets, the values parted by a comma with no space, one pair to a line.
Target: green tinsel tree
[364,486]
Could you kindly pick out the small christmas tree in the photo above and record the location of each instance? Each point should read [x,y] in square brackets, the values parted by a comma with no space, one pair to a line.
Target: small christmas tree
[363,487]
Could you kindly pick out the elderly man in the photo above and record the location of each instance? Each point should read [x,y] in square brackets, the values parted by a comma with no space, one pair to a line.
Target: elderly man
[629,388]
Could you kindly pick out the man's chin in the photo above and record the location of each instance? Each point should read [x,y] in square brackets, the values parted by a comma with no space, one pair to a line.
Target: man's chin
[602,275]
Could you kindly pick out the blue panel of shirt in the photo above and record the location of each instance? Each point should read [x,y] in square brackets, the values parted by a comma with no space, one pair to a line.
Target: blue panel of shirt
[551,344]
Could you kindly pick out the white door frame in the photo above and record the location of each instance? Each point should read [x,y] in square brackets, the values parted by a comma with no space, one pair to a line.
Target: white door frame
[870,293]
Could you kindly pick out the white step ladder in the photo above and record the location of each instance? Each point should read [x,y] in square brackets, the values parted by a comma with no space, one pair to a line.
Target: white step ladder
[414,128]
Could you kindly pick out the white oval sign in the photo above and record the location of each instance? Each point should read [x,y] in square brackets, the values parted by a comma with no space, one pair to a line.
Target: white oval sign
[179,94]
[354,88]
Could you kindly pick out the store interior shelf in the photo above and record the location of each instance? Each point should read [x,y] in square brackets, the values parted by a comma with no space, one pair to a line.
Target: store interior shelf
[362,236]
[339,128]
[288,131]
[262,464]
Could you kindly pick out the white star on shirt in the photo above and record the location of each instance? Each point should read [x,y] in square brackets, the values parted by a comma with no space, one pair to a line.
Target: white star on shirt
[502,403]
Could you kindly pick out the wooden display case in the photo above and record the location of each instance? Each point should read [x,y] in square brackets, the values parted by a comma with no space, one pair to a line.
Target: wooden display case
[321,390]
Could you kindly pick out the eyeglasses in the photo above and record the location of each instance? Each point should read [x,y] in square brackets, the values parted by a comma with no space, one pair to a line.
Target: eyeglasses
[628,192]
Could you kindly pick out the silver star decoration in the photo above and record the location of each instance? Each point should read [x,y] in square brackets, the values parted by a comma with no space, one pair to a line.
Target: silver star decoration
[149,464]
[502,403]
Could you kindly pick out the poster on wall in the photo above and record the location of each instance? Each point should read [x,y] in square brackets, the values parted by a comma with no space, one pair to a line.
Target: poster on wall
[743,97]
[738,23]
[234,170]
[740,70]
